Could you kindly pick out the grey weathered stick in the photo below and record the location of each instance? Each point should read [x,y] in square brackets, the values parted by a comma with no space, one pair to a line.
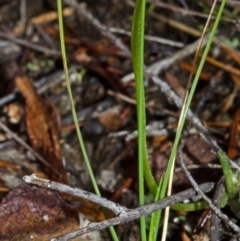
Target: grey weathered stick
[214,208]
[117,209]
[215,221]
[30,45]
[150,38]
[124,214]
[132,214]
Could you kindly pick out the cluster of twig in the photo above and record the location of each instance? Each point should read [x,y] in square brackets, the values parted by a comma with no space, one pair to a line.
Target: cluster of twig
[123,214]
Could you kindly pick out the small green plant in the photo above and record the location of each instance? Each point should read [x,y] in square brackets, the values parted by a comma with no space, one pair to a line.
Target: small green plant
[232,178]
[231,196]
[144,170]
[137,44]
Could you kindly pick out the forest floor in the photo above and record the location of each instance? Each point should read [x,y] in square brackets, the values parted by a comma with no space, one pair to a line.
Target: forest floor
[37,133]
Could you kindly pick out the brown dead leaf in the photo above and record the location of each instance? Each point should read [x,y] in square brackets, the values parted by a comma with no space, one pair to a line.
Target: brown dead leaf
[199,150]
[33,213]
[82,56]
[54,33]
[175,84]
[111,121]
[118,194]
[42,128]
[196,152]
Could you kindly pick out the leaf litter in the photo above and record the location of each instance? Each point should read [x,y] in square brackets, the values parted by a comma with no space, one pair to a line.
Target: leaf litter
[105,119]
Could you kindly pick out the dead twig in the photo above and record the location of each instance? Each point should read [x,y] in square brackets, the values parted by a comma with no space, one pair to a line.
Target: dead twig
[150,38]
[124,214]
[186,11]
[165,88]
[82,12]
[157,67]
[26,146]
[117,209]
[215,221]
[30,45]
[211,205]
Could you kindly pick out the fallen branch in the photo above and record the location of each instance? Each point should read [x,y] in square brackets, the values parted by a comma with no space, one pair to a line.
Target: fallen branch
[124,214]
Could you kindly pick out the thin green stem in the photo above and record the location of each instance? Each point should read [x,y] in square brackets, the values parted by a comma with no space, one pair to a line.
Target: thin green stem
[75,119]
[137,47]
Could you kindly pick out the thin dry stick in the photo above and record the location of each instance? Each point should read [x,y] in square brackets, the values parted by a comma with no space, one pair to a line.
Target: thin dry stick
[29,148]
[215,221]
[124,214]
[30,45]
[117,209]
[82,12]
[165,88]
[122,97]
[157,67]
[185,11]
[214,208]
[150,38]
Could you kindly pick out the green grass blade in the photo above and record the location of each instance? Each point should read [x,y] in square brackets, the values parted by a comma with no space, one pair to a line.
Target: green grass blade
[153,230]
[230,176]
[137,47]
[81,142]
[156,215]
[232,186]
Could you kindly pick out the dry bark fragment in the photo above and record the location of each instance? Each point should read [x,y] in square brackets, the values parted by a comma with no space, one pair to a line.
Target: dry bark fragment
[42,128]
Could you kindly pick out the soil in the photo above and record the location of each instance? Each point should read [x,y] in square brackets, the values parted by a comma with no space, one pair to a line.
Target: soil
[35,107]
